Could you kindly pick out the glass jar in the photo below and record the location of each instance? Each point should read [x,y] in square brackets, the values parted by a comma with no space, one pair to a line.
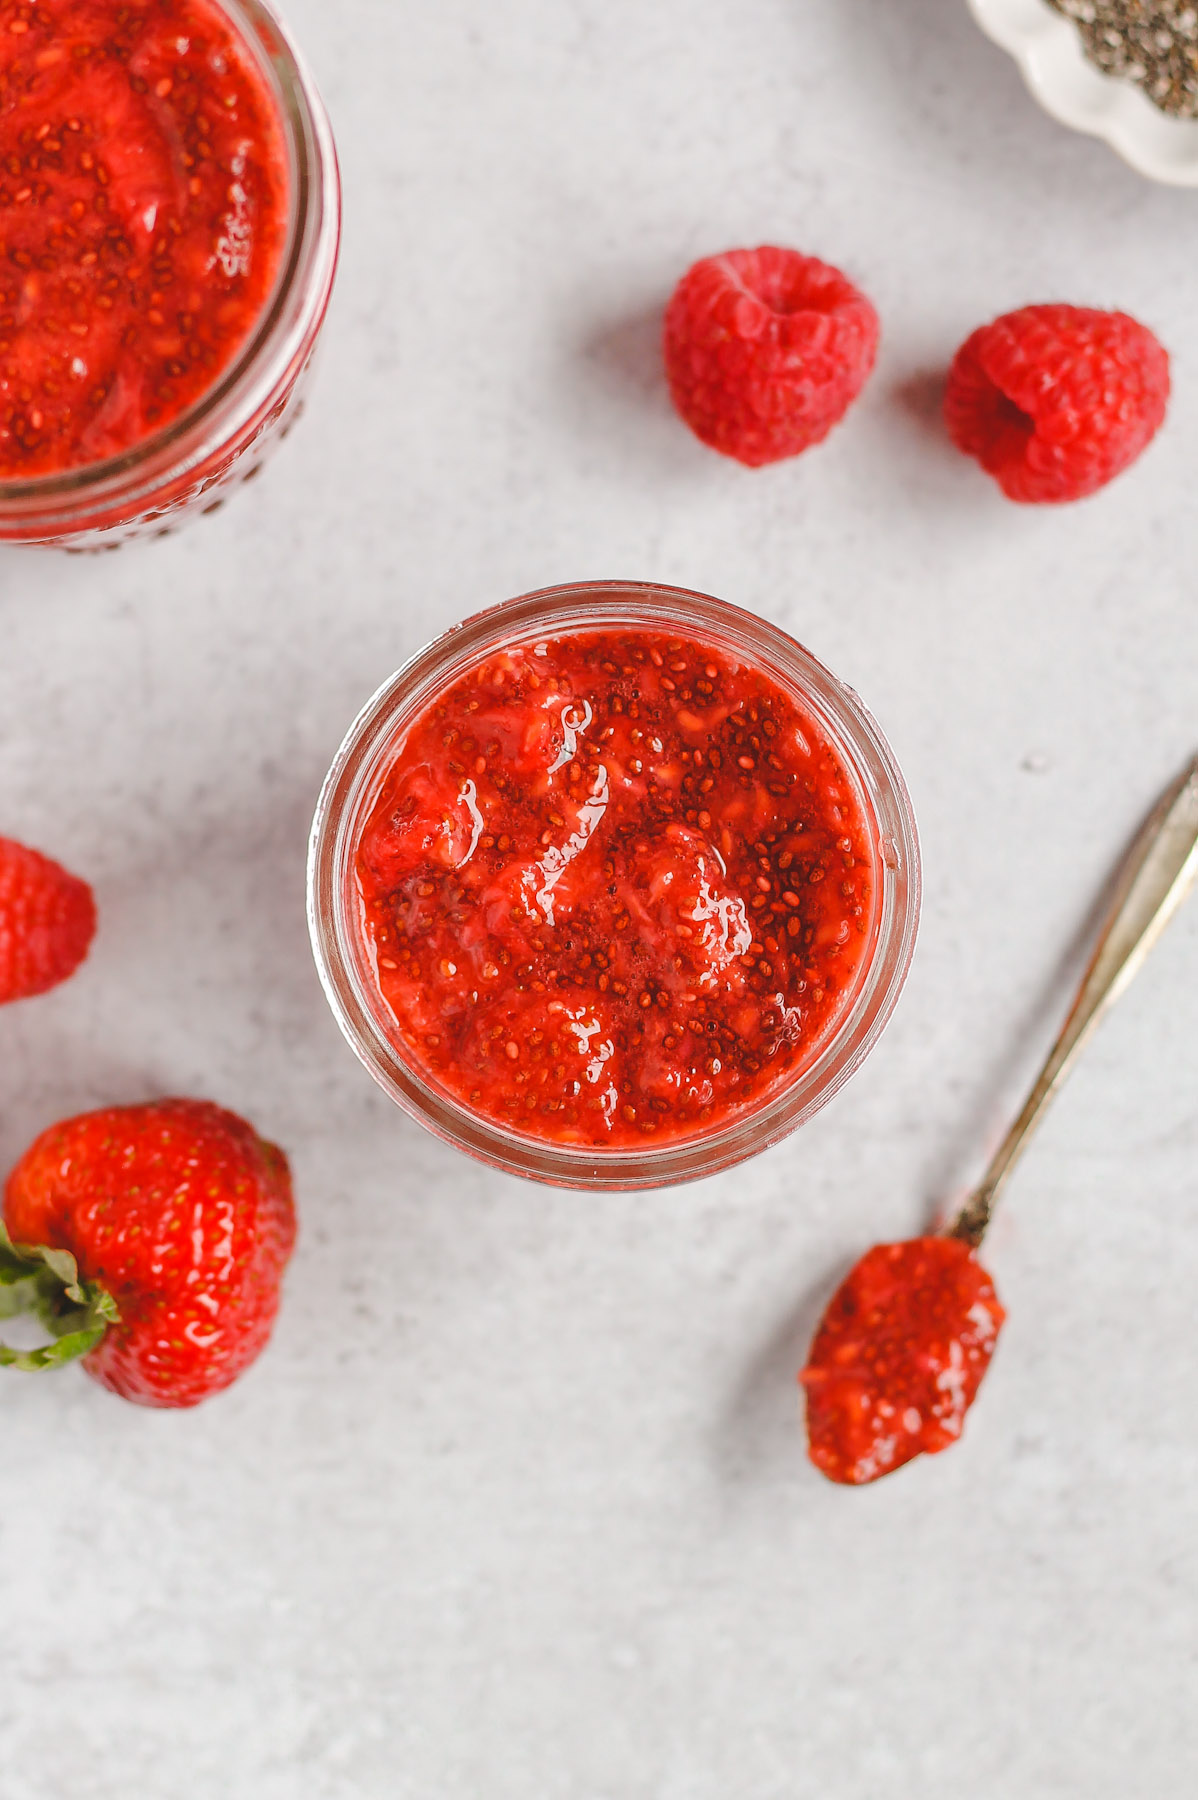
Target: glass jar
[369,752]
[222,440]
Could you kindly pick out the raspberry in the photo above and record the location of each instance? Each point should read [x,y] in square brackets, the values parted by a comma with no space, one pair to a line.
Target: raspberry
[47,921]
[766,350]
[1054,401]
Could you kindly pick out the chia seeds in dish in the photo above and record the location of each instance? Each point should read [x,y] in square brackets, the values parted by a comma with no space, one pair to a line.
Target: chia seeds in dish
[1155,46]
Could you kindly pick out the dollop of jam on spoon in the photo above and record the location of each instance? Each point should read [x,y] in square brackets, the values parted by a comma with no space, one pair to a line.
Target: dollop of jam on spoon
[898,1357]
[908,1335]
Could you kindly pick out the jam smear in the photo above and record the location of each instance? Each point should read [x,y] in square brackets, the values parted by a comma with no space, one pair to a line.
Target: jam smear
[899,1356]
[616,889]
[144,199]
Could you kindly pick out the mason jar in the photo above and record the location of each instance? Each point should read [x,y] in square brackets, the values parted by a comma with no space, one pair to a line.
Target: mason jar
[376,745]
[221,439]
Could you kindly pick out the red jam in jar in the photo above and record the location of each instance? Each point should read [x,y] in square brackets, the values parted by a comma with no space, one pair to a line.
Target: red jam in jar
[143,217]
[615,889]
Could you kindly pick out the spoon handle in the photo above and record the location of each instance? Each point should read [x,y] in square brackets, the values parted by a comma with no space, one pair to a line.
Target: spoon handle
[1153,881]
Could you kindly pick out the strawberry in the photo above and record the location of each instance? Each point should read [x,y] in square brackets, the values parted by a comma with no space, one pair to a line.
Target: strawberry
[161,1235]
[47,922]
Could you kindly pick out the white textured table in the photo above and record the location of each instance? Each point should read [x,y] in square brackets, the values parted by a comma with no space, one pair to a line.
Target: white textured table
[517,1508]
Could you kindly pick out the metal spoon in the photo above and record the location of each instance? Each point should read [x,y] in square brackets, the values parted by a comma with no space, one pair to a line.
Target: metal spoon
[1157,874]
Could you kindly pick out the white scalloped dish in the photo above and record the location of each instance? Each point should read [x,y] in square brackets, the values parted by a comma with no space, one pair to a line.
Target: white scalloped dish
[1048,49]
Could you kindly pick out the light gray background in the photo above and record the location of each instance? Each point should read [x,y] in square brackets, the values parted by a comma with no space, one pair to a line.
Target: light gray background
[517,1505]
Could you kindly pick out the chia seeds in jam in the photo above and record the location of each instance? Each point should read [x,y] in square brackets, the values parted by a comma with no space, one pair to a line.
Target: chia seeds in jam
[617,887]
[1154,45]
[143,215]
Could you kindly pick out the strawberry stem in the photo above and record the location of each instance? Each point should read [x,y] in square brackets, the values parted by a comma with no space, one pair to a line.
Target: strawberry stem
[46,1284]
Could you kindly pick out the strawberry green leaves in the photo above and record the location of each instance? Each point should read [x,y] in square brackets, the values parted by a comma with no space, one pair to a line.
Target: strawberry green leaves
[46,1284]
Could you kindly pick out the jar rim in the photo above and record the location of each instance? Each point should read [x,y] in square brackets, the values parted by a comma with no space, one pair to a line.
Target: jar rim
[367,754]
[55,501]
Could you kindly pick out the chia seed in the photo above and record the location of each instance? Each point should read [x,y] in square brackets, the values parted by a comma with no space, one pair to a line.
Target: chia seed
[1154,45]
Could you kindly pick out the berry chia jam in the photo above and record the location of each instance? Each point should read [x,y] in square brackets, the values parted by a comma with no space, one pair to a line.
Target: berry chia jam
[613,885]
[168,227]
[143,213]
[899,1357]
[616,886]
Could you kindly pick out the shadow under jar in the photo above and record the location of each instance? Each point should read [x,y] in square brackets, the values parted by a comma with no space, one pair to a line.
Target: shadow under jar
[169,226]
[613,885]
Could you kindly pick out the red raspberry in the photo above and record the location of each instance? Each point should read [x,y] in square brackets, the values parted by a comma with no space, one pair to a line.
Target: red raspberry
[1056,400]
[179,1214]
[47,922]
[766,350]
